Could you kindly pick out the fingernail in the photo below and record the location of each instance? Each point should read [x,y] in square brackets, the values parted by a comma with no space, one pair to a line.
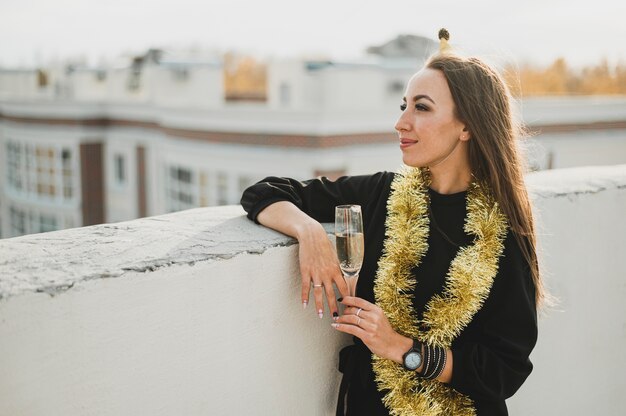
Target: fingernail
[320,313]
[304,303]
[334,325]
[340,299]
[335,316]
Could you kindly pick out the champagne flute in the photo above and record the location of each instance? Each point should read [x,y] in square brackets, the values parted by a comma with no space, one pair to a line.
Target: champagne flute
[349,242]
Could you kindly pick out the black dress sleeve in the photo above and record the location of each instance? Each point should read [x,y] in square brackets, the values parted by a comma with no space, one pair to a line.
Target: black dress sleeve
[317,197]
[492,363]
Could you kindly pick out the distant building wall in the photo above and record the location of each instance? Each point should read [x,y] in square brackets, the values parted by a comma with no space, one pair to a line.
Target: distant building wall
[121,178]
[199,312]
[201,150]
[581,148]
[191,86]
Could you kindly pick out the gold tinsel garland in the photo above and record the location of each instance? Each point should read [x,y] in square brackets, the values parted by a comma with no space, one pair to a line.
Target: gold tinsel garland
[467,285]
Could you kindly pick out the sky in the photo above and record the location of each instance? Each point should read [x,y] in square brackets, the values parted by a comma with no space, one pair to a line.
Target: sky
[34,32]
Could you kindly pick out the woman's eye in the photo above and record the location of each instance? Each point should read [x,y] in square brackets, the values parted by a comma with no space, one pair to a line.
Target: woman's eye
[419,107]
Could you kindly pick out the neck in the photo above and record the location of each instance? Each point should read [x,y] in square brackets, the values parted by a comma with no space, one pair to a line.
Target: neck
[452,173]
[450,181]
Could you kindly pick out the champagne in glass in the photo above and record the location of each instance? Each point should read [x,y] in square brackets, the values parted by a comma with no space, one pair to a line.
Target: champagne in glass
[349,242]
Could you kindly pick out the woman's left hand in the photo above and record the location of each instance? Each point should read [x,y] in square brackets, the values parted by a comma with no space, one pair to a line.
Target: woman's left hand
[369,323]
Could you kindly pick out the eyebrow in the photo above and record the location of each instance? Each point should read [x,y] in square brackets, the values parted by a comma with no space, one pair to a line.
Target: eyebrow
[418,96]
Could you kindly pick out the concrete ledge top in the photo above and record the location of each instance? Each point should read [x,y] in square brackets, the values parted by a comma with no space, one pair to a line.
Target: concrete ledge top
[572,181]
[56,261]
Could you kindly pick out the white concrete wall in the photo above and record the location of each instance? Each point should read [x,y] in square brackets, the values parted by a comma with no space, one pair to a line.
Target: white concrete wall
[4,214]
[580,367]
[192,313]
[198,313]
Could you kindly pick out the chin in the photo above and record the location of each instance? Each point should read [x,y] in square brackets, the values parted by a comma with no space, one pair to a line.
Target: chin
[413,163]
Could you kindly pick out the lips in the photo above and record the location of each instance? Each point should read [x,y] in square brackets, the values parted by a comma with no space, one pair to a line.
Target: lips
[404,142]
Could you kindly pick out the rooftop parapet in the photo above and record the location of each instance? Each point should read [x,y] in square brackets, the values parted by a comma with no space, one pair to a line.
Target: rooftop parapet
[198,312]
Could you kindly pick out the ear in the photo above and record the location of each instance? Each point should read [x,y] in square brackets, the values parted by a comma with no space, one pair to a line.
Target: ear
[465,134]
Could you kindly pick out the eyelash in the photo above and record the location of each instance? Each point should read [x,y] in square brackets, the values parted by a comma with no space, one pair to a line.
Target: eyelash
[419,107]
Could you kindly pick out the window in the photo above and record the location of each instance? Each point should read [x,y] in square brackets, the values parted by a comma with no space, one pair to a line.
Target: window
[181,175]
[28,221]
[120,169]
[244,182]
[18,222]
[30,166]
[66,166]
[222,189]
[205,199]
[45,171]
[395,87]
[42,78]
[14,165]
[180,190]
[47,223]
[134,80]
[180,74]
[285,94]
[39,170]
[101,75]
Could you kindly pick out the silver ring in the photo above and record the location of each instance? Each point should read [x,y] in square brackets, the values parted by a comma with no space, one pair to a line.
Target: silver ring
[359,311]
[358,322]
[318,285]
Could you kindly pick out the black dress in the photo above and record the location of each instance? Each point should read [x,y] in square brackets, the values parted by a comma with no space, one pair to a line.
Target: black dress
[490,355]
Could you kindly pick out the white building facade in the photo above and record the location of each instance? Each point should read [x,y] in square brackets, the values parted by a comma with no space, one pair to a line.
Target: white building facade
[90,146]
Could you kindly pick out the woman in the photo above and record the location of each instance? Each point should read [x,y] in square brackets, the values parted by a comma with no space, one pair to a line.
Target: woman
[445,314]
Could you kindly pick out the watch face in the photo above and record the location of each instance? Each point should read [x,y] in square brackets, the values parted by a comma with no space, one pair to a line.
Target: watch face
[413,360]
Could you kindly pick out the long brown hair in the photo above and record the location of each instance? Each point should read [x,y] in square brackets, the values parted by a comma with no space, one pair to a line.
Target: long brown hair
[483,103]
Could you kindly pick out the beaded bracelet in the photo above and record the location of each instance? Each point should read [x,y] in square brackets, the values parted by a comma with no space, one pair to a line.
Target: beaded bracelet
[434,362]
[443,366]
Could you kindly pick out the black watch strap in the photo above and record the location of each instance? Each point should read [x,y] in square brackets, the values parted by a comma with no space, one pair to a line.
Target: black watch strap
[417,346]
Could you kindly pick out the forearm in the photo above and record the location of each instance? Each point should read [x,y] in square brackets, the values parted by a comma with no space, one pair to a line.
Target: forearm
[285,217]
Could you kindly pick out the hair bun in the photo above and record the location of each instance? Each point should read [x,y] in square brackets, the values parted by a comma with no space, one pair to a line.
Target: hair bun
[444,36]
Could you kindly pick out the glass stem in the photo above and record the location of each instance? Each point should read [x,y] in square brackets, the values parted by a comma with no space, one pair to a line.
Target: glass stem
[351,282]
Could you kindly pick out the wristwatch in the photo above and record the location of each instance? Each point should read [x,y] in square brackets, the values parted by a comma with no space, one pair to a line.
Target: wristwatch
[412,359]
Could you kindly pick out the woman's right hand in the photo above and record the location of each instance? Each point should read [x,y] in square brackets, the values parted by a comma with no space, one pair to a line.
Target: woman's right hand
[318,260]
[319,268]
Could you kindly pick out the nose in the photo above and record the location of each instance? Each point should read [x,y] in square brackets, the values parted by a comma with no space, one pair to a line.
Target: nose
[402,124]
